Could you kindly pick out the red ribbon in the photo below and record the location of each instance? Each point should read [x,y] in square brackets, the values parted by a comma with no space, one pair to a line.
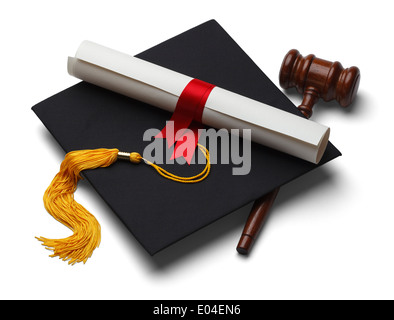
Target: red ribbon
[187,114]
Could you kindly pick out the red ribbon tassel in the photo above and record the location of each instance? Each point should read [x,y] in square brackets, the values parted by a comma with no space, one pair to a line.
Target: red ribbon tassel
[187,115]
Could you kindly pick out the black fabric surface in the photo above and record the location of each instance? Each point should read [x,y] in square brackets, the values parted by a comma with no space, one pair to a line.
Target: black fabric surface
[157,211]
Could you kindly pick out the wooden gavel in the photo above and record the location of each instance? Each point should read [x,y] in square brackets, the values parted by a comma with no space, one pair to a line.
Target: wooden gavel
[314,78]
[317,78]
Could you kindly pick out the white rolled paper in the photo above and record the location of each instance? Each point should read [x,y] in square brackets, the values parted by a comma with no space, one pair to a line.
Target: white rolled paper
[162,87]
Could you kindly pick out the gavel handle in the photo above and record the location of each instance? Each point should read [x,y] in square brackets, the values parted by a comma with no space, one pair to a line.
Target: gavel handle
[311,96]
[255,221]
[262,205]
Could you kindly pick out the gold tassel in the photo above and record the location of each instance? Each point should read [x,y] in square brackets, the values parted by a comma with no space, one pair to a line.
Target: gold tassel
[59,200]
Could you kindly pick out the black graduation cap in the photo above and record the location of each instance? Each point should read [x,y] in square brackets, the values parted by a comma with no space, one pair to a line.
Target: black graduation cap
[159,212]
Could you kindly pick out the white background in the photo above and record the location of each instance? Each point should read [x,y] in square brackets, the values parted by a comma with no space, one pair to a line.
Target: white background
[330,234]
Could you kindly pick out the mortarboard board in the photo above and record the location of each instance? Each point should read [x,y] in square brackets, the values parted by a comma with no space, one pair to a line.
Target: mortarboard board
[157,211]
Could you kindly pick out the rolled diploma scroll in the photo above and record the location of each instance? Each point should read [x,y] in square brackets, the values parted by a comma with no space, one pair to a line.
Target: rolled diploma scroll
[162,87]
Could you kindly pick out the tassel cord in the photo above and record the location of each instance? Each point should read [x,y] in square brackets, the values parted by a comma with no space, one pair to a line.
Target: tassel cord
[194,179]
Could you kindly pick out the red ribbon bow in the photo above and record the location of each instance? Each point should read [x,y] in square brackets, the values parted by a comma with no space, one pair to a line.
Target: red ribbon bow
[188,113]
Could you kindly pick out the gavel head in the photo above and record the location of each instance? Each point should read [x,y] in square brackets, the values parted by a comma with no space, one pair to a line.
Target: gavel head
[317,78]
